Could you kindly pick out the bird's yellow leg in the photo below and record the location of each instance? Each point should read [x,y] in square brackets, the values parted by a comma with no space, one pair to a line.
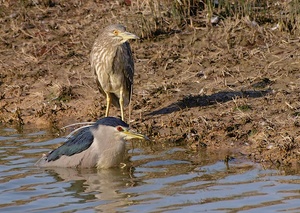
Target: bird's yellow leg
[108,102]
[121,102]
[129,112]
[129,108]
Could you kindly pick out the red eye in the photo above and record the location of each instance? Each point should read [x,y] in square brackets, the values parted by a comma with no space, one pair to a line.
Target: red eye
[120,129]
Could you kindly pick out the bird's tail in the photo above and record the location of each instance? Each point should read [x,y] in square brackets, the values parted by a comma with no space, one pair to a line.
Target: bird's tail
[115,100]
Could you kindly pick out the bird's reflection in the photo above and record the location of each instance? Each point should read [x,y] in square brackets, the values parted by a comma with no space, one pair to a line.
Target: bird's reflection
[98,185]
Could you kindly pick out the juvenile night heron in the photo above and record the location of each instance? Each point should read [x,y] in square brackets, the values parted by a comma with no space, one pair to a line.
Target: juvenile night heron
[100,145]
[112,64]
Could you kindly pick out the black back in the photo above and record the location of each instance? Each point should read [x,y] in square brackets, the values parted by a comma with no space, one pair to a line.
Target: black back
[83,139]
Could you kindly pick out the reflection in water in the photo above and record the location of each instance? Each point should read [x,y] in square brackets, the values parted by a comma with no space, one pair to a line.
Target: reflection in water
[165,180]
[93,185]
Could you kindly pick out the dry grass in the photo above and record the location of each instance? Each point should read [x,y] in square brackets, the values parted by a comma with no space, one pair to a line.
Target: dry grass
[166,17]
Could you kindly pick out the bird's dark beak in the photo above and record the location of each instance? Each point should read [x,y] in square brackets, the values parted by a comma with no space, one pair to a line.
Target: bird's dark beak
[126,36]
[130,134]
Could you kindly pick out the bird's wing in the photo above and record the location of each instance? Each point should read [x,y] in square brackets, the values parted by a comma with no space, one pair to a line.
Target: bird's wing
[123,63]
[129,64]
[76,144]
[93,58]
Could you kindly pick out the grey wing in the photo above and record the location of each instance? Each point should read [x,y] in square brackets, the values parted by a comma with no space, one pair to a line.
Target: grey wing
[78,143]
[129,64]
[124,63]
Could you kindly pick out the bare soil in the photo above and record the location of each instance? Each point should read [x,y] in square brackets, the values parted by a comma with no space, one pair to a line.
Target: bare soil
[232,86]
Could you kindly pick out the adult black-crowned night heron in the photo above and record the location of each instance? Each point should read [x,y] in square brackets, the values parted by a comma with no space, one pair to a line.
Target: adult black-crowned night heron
[112,64]
[100,145]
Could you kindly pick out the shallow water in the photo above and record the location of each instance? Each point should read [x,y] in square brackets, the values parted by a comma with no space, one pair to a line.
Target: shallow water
[170,179]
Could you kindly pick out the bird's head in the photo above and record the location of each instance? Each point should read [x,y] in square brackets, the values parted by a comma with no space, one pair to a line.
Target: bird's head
[127,134]
[119,34]
[115,127]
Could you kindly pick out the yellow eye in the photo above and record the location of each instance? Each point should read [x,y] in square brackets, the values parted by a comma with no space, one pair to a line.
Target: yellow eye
[115,32]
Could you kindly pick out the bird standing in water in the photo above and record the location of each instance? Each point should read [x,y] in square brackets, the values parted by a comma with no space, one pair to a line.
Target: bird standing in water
[100,145]
[113,66]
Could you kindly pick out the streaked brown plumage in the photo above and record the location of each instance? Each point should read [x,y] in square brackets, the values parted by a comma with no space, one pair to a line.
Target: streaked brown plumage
[113,66]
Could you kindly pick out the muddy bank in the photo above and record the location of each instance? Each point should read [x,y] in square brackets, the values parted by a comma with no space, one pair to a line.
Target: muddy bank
[229,86]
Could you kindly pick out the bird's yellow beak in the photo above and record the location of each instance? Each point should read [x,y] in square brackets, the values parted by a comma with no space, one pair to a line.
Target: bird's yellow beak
[126,36]
[130,134]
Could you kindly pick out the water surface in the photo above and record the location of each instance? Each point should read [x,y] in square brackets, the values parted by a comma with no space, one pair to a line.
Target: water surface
[170,179]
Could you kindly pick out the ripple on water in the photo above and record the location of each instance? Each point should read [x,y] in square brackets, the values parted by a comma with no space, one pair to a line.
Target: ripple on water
[165,180]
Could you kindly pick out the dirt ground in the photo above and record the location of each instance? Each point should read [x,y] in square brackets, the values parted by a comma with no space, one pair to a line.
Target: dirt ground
[231,86]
